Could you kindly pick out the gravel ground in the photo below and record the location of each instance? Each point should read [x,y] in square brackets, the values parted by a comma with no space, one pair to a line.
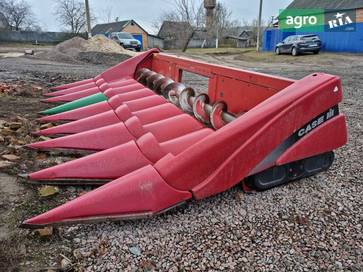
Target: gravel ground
[314,224]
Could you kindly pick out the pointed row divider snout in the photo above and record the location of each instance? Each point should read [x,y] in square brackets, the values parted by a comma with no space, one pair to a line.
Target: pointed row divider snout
[104,118]
[72,89]
[111,104]
[110,135]
[121,132]
[117,161]
[107,91]
[139,194]
[92,99]
[97,84]
[82,102]
[72,96]
[93,122]
[73,84]
[112,76]
[77,114]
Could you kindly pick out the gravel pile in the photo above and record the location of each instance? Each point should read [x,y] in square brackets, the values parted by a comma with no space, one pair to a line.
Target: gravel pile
[314,224]
[97,50]
[100,43]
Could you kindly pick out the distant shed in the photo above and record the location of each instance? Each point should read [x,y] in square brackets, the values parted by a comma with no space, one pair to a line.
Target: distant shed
[155,41]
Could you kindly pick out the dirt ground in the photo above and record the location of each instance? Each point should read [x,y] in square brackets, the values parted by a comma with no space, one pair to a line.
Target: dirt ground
[24,250]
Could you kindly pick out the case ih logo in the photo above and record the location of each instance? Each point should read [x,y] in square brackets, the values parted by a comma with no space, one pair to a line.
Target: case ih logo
[332,112]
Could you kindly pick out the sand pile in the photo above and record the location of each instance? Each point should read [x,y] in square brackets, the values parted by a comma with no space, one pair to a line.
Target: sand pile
[97,50]
[100,43]
[76,44]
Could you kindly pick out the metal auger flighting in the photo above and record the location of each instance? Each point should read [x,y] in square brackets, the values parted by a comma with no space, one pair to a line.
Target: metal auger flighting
[187,100]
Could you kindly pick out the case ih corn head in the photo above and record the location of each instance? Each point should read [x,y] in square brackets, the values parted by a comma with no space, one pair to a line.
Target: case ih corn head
[157,143]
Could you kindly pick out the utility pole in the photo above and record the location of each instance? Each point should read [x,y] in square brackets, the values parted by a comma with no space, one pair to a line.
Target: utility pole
[217,38]
[88,19]
[259,27]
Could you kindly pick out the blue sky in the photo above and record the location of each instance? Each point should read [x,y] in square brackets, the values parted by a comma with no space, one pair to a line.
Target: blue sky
[145,12]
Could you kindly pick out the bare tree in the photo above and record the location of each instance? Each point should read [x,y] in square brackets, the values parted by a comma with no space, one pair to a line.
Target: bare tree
[253,27]
[222,22]
[189,11]
[19,15]
[106,14]
[193,13]
[71,14]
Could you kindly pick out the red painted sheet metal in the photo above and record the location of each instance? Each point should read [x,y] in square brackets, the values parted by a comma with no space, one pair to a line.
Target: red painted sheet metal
[329,136]
[72,96]
[110,135]
[73,89]
[172,127]
[178,145]
[257,132]
[127,67]
[126,157]
[149,115]
[73,84]
[95,139]
[118,97]
[285,112]
[154,150]
[130,92]
[241,90]
[108,164]
[117,200]
[126,81]
[79,113]
[123,70]
[108,89]
[208,70]
[92,122]
[138,104]
[112,104]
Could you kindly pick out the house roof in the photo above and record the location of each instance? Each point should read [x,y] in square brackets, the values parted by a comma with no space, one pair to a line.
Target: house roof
[326,4]
[238,31]
[113,27]
[235,38]
[248,32]
[171,27]
[155,36]
[109,27]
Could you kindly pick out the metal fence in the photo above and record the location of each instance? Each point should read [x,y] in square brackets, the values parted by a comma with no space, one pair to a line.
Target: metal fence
[35,36]
[332,41]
